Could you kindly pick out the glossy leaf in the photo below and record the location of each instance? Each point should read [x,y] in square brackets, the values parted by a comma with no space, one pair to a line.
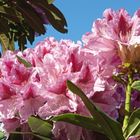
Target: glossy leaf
[83,121]
[54,19]
[59,14]
[111,128]
[136,85]
[40,127]
[23,61]
[31,17]
[133,127]
[54,16]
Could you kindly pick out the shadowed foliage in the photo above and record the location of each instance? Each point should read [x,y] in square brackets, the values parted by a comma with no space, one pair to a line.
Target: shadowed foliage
[22,20]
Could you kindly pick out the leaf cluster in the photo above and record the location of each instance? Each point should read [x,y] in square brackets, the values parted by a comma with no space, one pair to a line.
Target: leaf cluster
[21,20]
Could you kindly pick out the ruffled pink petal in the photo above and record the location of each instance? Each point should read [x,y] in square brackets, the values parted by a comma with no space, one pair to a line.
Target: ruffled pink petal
[65,131]
[59,104]
[9,107]
[11,124]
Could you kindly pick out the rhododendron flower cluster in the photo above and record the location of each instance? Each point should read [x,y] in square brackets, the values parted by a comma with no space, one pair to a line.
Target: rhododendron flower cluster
[119,27]
[115,39]
[41,89]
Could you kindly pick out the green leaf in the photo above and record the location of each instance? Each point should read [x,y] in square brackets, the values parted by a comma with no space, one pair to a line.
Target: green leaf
[31,36]
[4,42]
[111,128]
[83,121]
[54,16]
[56,19]
[23,61]
[40,127]
[4,28]
[127,65]
[21,42]
[119,79]
[50,1]
[9,14]
[11,44]
[31,16]
[1,135]
[2,10]
[133,127]
[114,126]
[136,85]
[58,14]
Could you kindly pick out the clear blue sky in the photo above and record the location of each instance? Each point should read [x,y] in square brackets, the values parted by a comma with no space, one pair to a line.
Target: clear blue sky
[80,15]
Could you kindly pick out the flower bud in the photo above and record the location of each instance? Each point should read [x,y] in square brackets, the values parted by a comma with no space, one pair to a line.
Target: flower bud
[129,53]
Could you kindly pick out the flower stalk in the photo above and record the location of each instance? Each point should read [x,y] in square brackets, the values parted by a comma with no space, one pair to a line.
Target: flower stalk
[127,103]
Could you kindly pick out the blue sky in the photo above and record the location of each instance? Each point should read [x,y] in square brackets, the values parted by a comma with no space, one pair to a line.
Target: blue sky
[80,15]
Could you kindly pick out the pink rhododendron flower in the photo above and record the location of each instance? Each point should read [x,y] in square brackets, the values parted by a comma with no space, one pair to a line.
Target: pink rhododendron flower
[121,28]
[114,40]
[118,26]
[41,89]
[106,54]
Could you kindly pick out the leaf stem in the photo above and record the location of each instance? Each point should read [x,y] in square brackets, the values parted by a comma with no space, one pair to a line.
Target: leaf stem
[127,103]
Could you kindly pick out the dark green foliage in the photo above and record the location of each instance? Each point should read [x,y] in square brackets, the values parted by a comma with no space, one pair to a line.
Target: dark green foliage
[20,20]
[133,128]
